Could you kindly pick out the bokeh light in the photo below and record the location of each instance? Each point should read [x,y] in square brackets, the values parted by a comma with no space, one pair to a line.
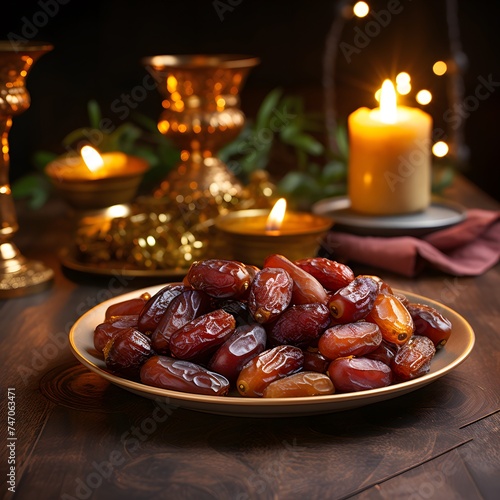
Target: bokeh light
[423,97]
[403,78]
[403,85]
[440,149]
[439,68]
[403,88]
[361,9]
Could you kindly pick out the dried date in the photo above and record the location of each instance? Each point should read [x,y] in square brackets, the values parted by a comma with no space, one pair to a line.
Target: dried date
[270,294]
[352,374]
[155,307]
[111,327]
[187,306]
[220,278]
[331,274]
[306,288]
[267,367]
[183,376]
[354,301]
[392,317]
[130,307]
[299,385]
[429,322]
[200,337]
[351,339]
[245,343]
[125,353]
[300,325]
[414,358]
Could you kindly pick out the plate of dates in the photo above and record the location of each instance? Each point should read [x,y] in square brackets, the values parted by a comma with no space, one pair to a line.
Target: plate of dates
[289,339]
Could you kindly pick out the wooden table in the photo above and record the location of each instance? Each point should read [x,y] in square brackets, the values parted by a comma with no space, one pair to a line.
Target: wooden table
[80,437]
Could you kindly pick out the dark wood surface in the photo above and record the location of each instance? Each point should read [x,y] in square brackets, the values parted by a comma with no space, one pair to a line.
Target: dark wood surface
[80,437]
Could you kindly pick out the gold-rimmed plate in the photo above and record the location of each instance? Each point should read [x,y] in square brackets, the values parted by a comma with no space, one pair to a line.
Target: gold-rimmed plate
[455,352]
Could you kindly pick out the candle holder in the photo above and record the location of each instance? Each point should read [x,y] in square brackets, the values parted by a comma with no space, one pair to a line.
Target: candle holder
[200,114]
[82,191]
[18,276]
[248,241]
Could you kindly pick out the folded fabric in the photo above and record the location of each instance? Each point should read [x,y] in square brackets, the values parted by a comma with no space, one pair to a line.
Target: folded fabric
[467,249]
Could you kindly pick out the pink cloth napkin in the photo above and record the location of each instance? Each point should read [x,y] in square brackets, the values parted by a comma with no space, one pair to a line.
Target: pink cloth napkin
[467,249]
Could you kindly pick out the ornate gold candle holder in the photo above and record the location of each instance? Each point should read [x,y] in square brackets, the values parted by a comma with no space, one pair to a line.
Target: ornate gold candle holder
[200,114]
[18,276]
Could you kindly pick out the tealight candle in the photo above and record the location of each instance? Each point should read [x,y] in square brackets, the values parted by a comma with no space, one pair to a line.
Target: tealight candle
[389,157]
[93,180]
[254,234]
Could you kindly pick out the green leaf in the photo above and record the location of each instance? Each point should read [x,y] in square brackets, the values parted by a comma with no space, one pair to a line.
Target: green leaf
[94,112]
[147,123]
[307,143]
[342,141]
[77,135]
[442,177]
[42,158]
[334,171]
[293,181]
[34,187]
[266,109]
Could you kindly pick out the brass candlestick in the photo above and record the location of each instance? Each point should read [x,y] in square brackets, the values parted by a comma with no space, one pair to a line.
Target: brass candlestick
[18,276]
[200,114]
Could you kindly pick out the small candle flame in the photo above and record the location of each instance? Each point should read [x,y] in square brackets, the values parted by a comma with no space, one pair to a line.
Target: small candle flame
[276,216]
[92,158]
[388,104]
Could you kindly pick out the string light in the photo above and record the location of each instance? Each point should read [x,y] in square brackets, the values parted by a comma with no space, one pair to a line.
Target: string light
[440,149]
[361,9]
[439,68]
[423,97]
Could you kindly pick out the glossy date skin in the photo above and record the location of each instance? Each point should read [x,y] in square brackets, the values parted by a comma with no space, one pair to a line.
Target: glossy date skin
[245,343]
[354,301]
[331,274]
[414,358]
[314,361]
[267,367]
[187,306]
[352,339]
[125,353]
[300,325]
[130,307]
[299,385]
[270,294]
[112,327]
[155,307]
[183,376]
[352,374]
[306,288]
[220,278]
[200,337]
[392,317]
[429,322]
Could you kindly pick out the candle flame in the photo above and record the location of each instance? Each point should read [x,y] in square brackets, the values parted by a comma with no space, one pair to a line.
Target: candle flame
[92,158]
[388,104]
[276,216]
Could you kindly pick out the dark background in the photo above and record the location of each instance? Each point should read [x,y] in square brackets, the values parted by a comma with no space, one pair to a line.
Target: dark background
[99,46]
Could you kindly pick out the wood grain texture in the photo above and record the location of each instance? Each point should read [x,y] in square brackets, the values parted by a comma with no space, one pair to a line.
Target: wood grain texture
[81,437]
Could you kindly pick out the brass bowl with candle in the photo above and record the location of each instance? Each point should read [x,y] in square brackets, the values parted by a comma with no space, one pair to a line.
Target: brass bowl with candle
[251,234]
[88,182]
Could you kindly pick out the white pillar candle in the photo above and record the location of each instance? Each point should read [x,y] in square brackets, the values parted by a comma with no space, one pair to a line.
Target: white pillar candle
[389,158]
